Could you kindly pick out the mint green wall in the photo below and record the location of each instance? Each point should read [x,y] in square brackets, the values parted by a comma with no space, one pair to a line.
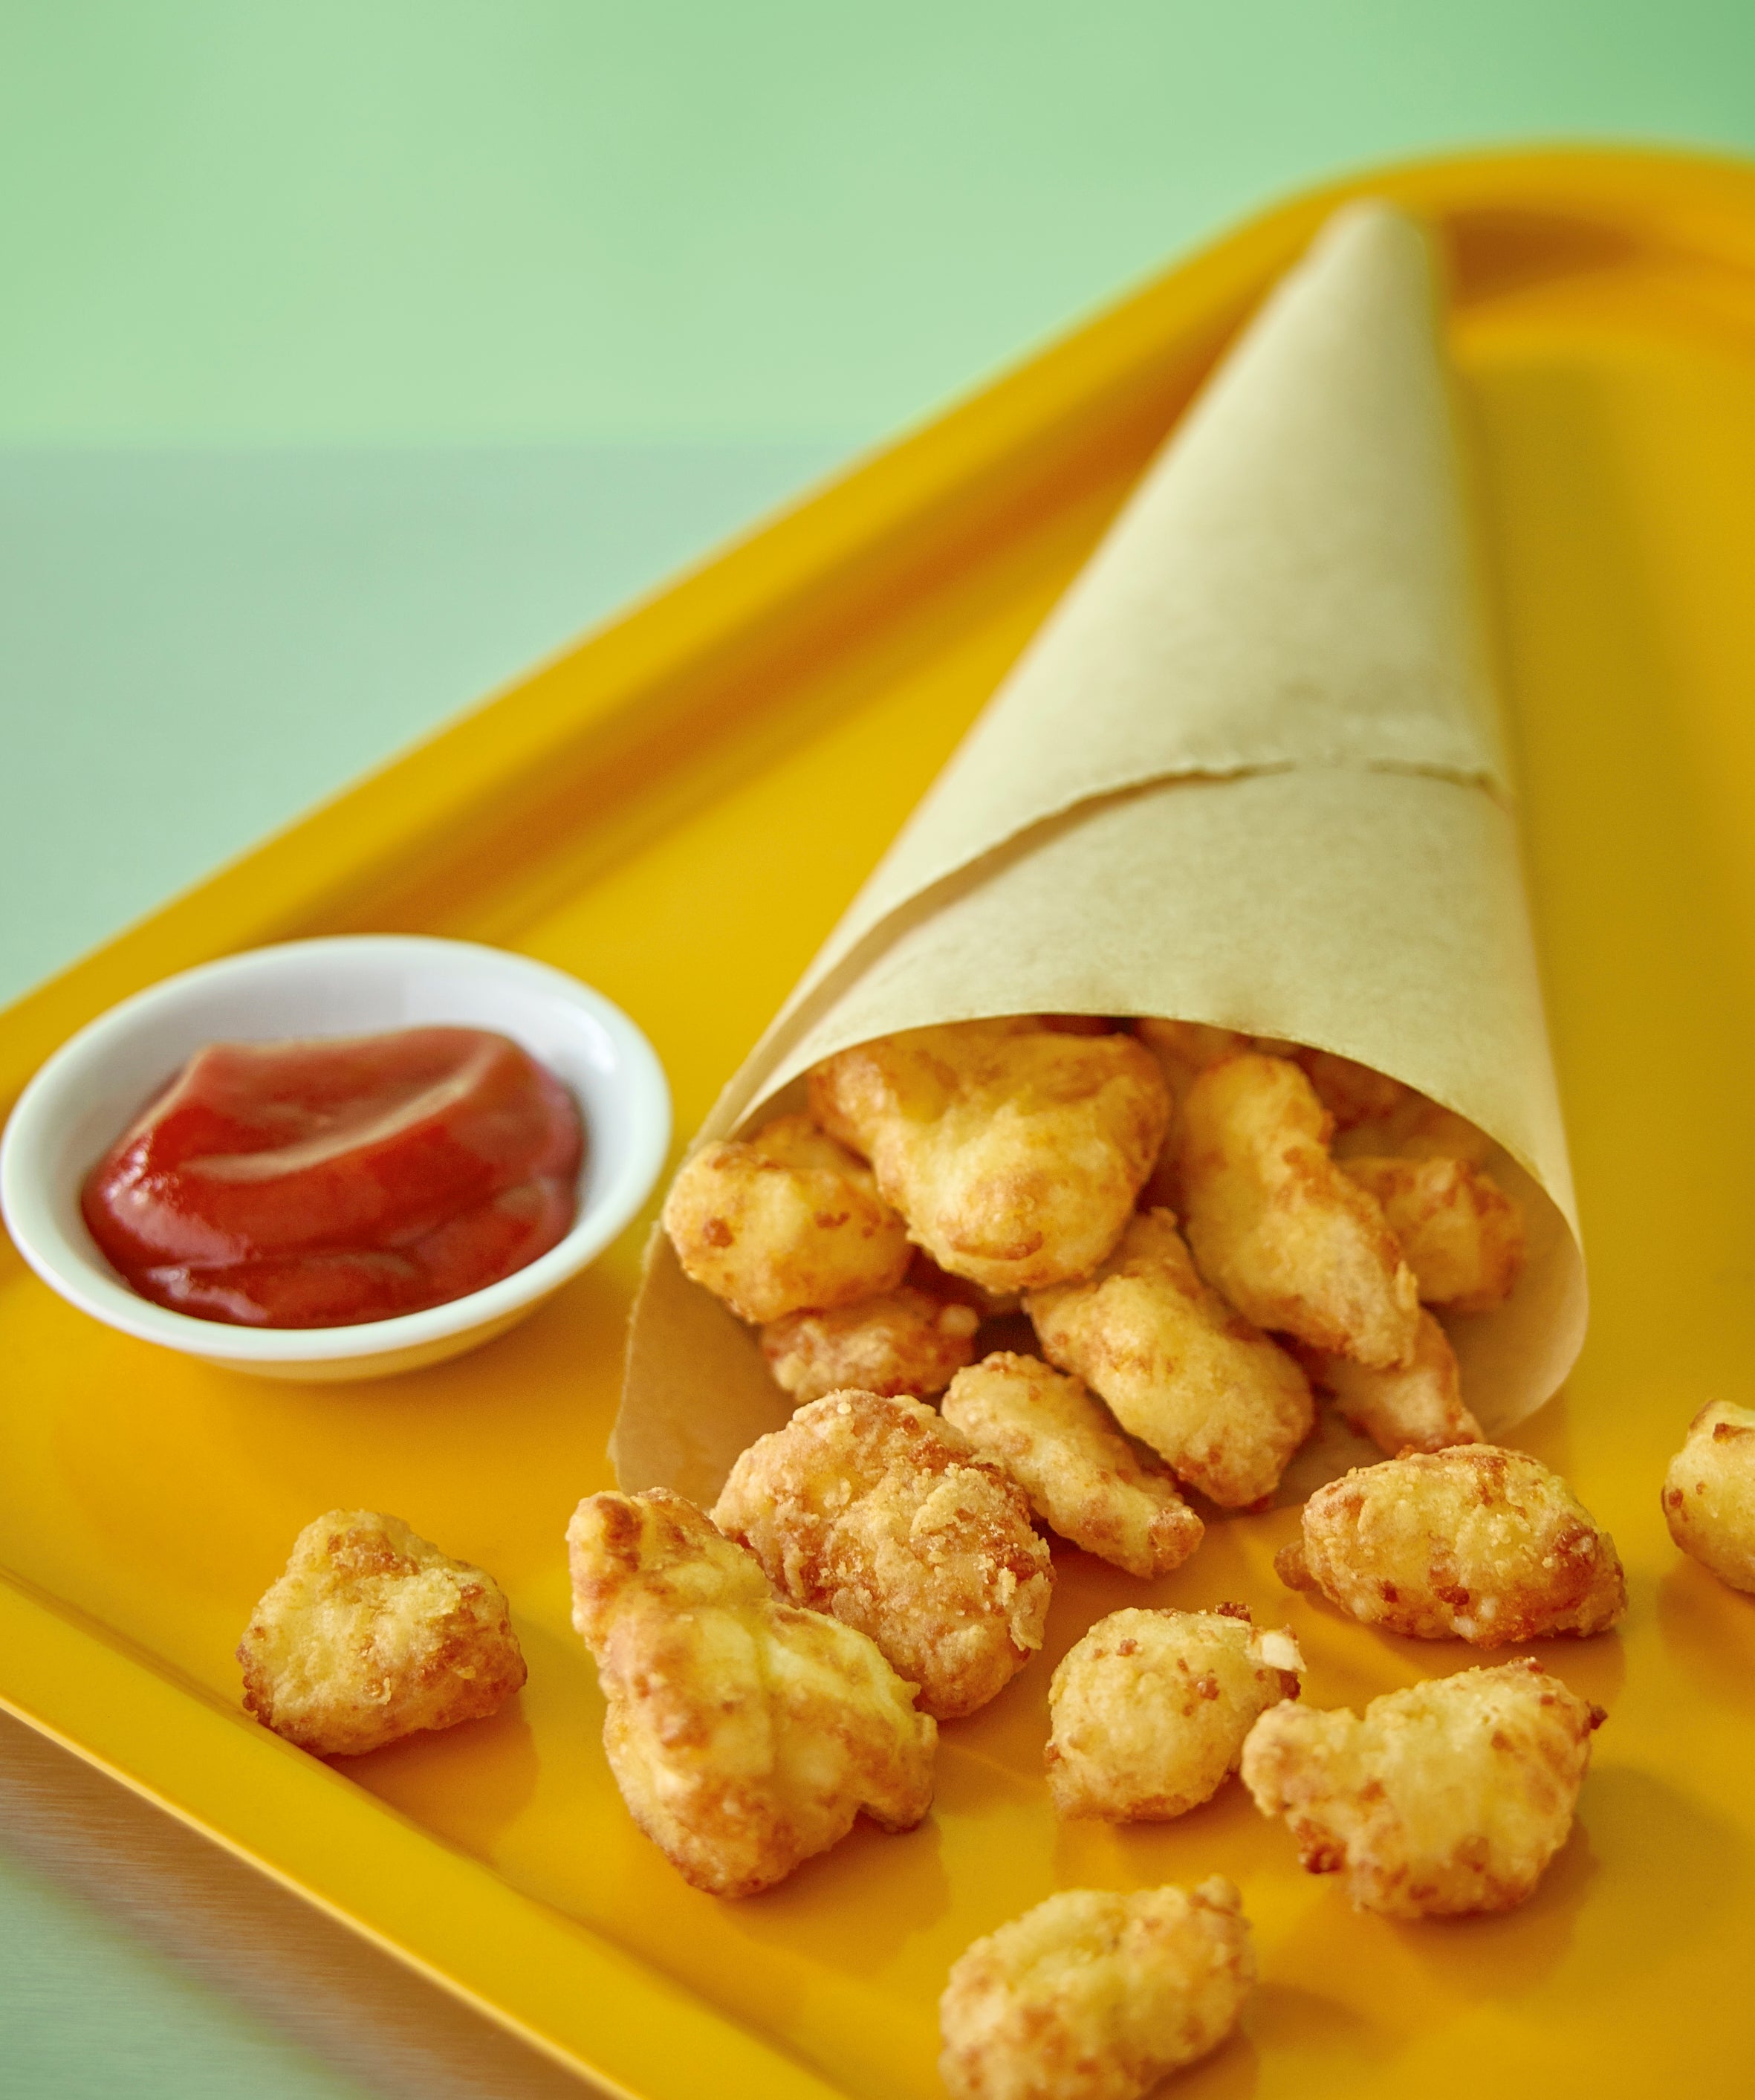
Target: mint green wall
[87,2014]
[516,219]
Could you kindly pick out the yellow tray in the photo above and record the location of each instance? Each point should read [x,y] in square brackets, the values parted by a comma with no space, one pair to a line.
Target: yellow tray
[677,811]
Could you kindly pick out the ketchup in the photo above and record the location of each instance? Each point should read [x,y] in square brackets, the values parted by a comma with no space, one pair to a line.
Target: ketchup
[323,1182]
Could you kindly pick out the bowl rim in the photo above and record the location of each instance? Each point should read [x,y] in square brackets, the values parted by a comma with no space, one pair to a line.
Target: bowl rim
[638,1079]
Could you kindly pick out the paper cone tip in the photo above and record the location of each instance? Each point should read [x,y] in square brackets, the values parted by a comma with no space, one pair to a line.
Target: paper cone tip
[1248,772]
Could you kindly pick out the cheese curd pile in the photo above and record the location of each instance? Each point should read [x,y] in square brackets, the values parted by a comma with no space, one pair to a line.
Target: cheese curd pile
[1205,1230]
[1205,1239]
[1052,1276]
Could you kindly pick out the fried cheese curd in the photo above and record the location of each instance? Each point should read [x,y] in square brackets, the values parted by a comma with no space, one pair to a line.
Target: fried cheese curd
[1084,1480]
[1352,1093]
[1015,1151]
[877,1510]
[1473,1543]
[1290,1240]
[1221,1403]
[373,1633]
[1149,1710]
[745,1734]
[1709,1493]
[1182,1049]
[905,1342]
[786,1220]
[1462,1235]
[1417,1128]
[1094,1996]
[1413,1407]
[1447,1798]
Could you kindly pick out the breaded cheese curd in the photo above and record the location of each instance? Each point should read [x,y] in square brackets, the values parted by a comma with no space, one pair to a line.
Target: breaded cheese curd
[1448,1798]
[877,1510]
[1294,1243]
[905,1342]
[1015,1151]
[782,1220]
[1084,1480]
[1182,1049]
[1150,1710]
[1474,1543]
[1218,1402]
[1352,1093]
[1411,1407]
[372,1634]
[1093,1996]
[1709,1493]
[745,1734]
[1418,1128]
[1462,1235]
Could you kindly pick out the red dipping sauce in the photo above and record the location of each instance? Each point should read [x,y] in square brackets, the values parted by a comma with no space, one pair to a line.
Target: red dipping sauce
[324,1182]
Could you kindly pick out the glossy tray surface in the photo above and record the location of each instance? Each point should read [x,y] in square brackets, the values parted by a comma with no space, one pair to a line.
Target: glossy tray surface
[677,812]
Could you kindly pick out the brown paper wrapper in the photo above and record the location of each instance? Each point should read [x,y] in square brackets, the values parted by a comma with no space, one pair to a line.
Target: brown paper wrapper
[1250,772]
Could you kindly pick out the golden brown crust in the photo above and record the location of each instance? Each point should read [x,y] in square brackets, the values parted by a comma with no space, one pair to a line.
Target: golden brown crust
[877,1510]
[1448,1798]
[373,1633]
[1709,1493]
[1278,1228]
[905,1342]
[1418,1129]
[1015,1151]
[1415,1407]
[746,1735]
[1083,1478]
[1182,1049]
[1353,1093]
[1093,1996]
[1462,1235]
[1371,1112]
[1215,1398]
[1474,1543]
[1149,1710]
[783,1221]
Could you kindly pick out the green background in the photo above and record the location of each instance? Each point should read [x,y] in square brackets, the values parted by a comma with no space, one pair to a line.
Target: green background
[670,219]
[352,355]
[355,354]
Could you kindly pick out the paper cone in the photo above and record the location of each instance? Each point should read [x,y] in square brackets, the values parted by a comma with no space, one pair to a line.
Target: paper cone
[1250,772]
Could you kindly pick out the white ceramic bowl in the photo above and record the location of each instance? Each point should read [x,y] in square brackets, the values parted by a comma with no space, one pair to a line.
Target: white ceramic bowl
[83,1098]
